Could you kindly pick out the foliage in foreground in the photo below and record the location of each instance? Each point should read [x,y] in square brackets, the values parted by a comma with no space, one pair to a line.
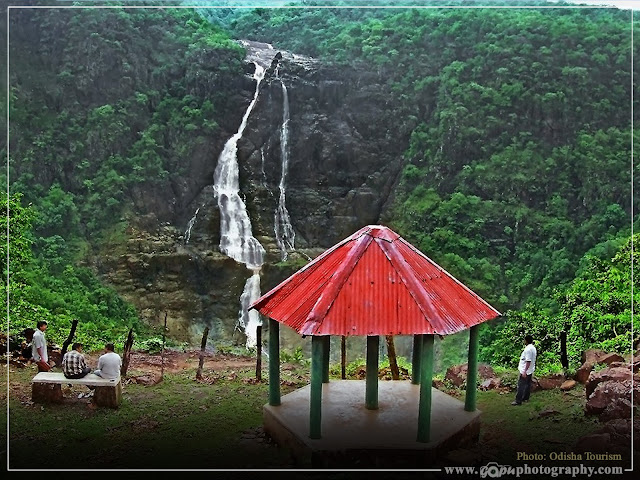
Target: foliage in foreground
[595,312]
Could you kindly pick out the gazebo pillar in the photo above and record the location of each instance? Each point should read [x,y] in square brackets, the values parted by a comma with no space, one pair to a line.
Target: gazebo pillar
[325,358]
[371,393]
[426,378]
[274,362]
[472,370]
[315,395]
[415,359]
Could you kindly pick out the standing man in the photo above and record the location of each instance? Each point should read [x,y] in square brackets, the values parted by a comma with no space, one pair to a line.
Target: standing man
[109,363]
[526,367]
[39,347]
[74,364]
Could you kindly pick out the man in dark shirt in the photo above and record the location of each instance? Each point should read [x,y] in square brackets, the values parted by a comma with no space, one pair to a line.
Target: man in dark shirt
[74,364]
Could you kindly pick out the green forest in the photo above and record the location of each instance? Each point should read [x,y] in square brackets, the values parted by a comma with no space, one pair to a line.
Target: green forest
[517,177]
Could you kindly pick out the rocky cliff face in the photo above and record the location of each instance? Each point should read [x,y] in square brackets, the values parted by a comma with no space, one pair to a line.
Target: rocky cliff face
[344,158]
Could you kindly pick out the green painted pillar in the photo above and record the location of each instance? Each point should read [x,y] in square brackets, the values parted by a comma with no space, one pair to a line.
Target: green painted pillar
[426,378]
[415,359]
[373,354]
[274,362]
[472,370]
[315,407]
[325,358]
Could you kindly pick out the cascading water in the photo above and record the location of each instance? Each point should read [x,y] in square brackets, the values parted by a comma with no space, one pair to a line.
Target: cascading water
[285,236]
[187,233]
[249,320]
[236,237]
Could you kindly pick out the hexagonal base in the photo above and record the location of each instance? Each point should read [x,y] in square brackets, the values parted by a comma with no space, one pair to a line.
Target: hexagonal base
[355,437]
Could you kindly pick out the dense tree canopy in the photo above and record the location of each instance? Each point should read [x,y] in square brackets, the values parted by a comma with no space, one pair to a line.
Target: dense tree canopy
[517,175]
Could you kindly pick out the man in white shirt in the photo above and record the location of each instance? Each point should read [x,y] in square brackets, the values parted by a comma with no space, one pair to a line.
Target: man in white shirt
[526,367]
[109,363]
[39,347]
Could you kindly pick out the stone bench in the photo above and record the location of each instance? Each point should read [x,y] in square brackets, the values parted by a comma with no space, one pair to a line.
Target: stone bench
[46,387]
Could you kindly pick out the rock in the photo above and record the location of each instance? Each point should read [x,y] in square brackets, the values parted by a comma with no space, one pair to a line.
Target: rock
[592,356]
[457,374]
[568,385]
[609,395]
[582,374]
[547,412]
[619,408]
[619,364]
[619,429]
[439,384]
[551,381]
[611,357]
[490,383]
[615,373]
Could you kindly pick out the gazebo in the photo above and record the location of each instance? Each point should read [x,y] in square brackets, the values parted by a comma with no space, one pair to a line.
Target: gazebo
[373,283]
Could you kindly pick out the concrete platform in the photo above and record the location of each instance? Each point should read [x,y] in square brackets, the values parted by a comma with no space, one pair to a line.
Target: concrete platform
[355,437]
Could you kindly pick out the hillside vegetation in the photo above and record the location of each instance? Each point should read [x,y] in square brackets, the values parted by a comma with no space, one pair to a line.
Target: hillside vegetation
[516,178]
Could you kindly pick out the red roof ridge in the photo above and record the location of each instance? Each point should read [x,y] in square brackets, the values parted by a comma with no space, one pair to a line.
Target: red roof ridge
[355,289]
[333,286]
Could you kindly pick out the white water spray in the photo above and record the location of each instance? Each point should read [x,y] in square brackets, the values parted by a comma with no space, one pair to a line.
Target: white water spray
[236,237]
[285,236]
[249,320]
[187,233]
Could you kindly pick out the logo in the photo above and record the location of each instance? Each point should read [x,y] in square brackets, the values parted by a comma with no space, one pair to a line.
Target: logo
[495,470]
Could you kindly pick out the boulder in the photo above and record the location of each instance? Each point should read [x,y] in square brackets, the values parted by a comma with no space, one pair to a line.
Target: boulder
[614,397]
[613,437]
[457,374]
[568,385]
[552,381]
[610,358]
[618,409]
[592,356]
[619,428]
[490,383]
[610,373]
[582,374]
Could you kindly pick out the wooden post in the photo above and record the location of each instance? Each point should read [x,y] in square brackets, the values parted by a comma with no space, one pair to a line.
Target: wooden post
[203,345]
[259,352]
[472,370]
[371,380]
[315,400]
[325,358]
[426,379]
[69,339]
[274,362]
[415,359]
[126,354]
[393,361]
[343,357]
[164,334]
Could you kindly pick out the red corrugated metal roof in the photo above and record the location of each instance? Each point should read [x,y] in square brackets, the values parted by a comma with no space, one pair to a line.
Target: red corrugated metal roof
[374,283]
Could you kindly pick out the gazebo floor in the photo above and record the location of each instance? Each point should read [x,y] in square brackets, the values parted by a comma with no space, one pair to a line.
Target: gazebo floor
[354,437]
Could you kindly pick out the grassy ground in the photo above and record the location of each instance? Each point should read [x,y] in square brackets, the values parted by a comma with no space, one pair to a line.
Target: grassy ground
[181,423]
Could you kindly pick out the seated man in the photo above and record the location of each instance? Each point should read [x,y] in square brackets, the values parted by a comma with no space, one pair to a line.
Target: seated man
[109,363]
[74,364]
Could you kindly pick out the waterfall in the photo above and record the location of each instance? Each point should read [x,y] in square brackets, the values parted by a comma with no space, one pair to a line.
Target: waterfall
[187,233]
[249,320]
[236,237]
[285,235]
